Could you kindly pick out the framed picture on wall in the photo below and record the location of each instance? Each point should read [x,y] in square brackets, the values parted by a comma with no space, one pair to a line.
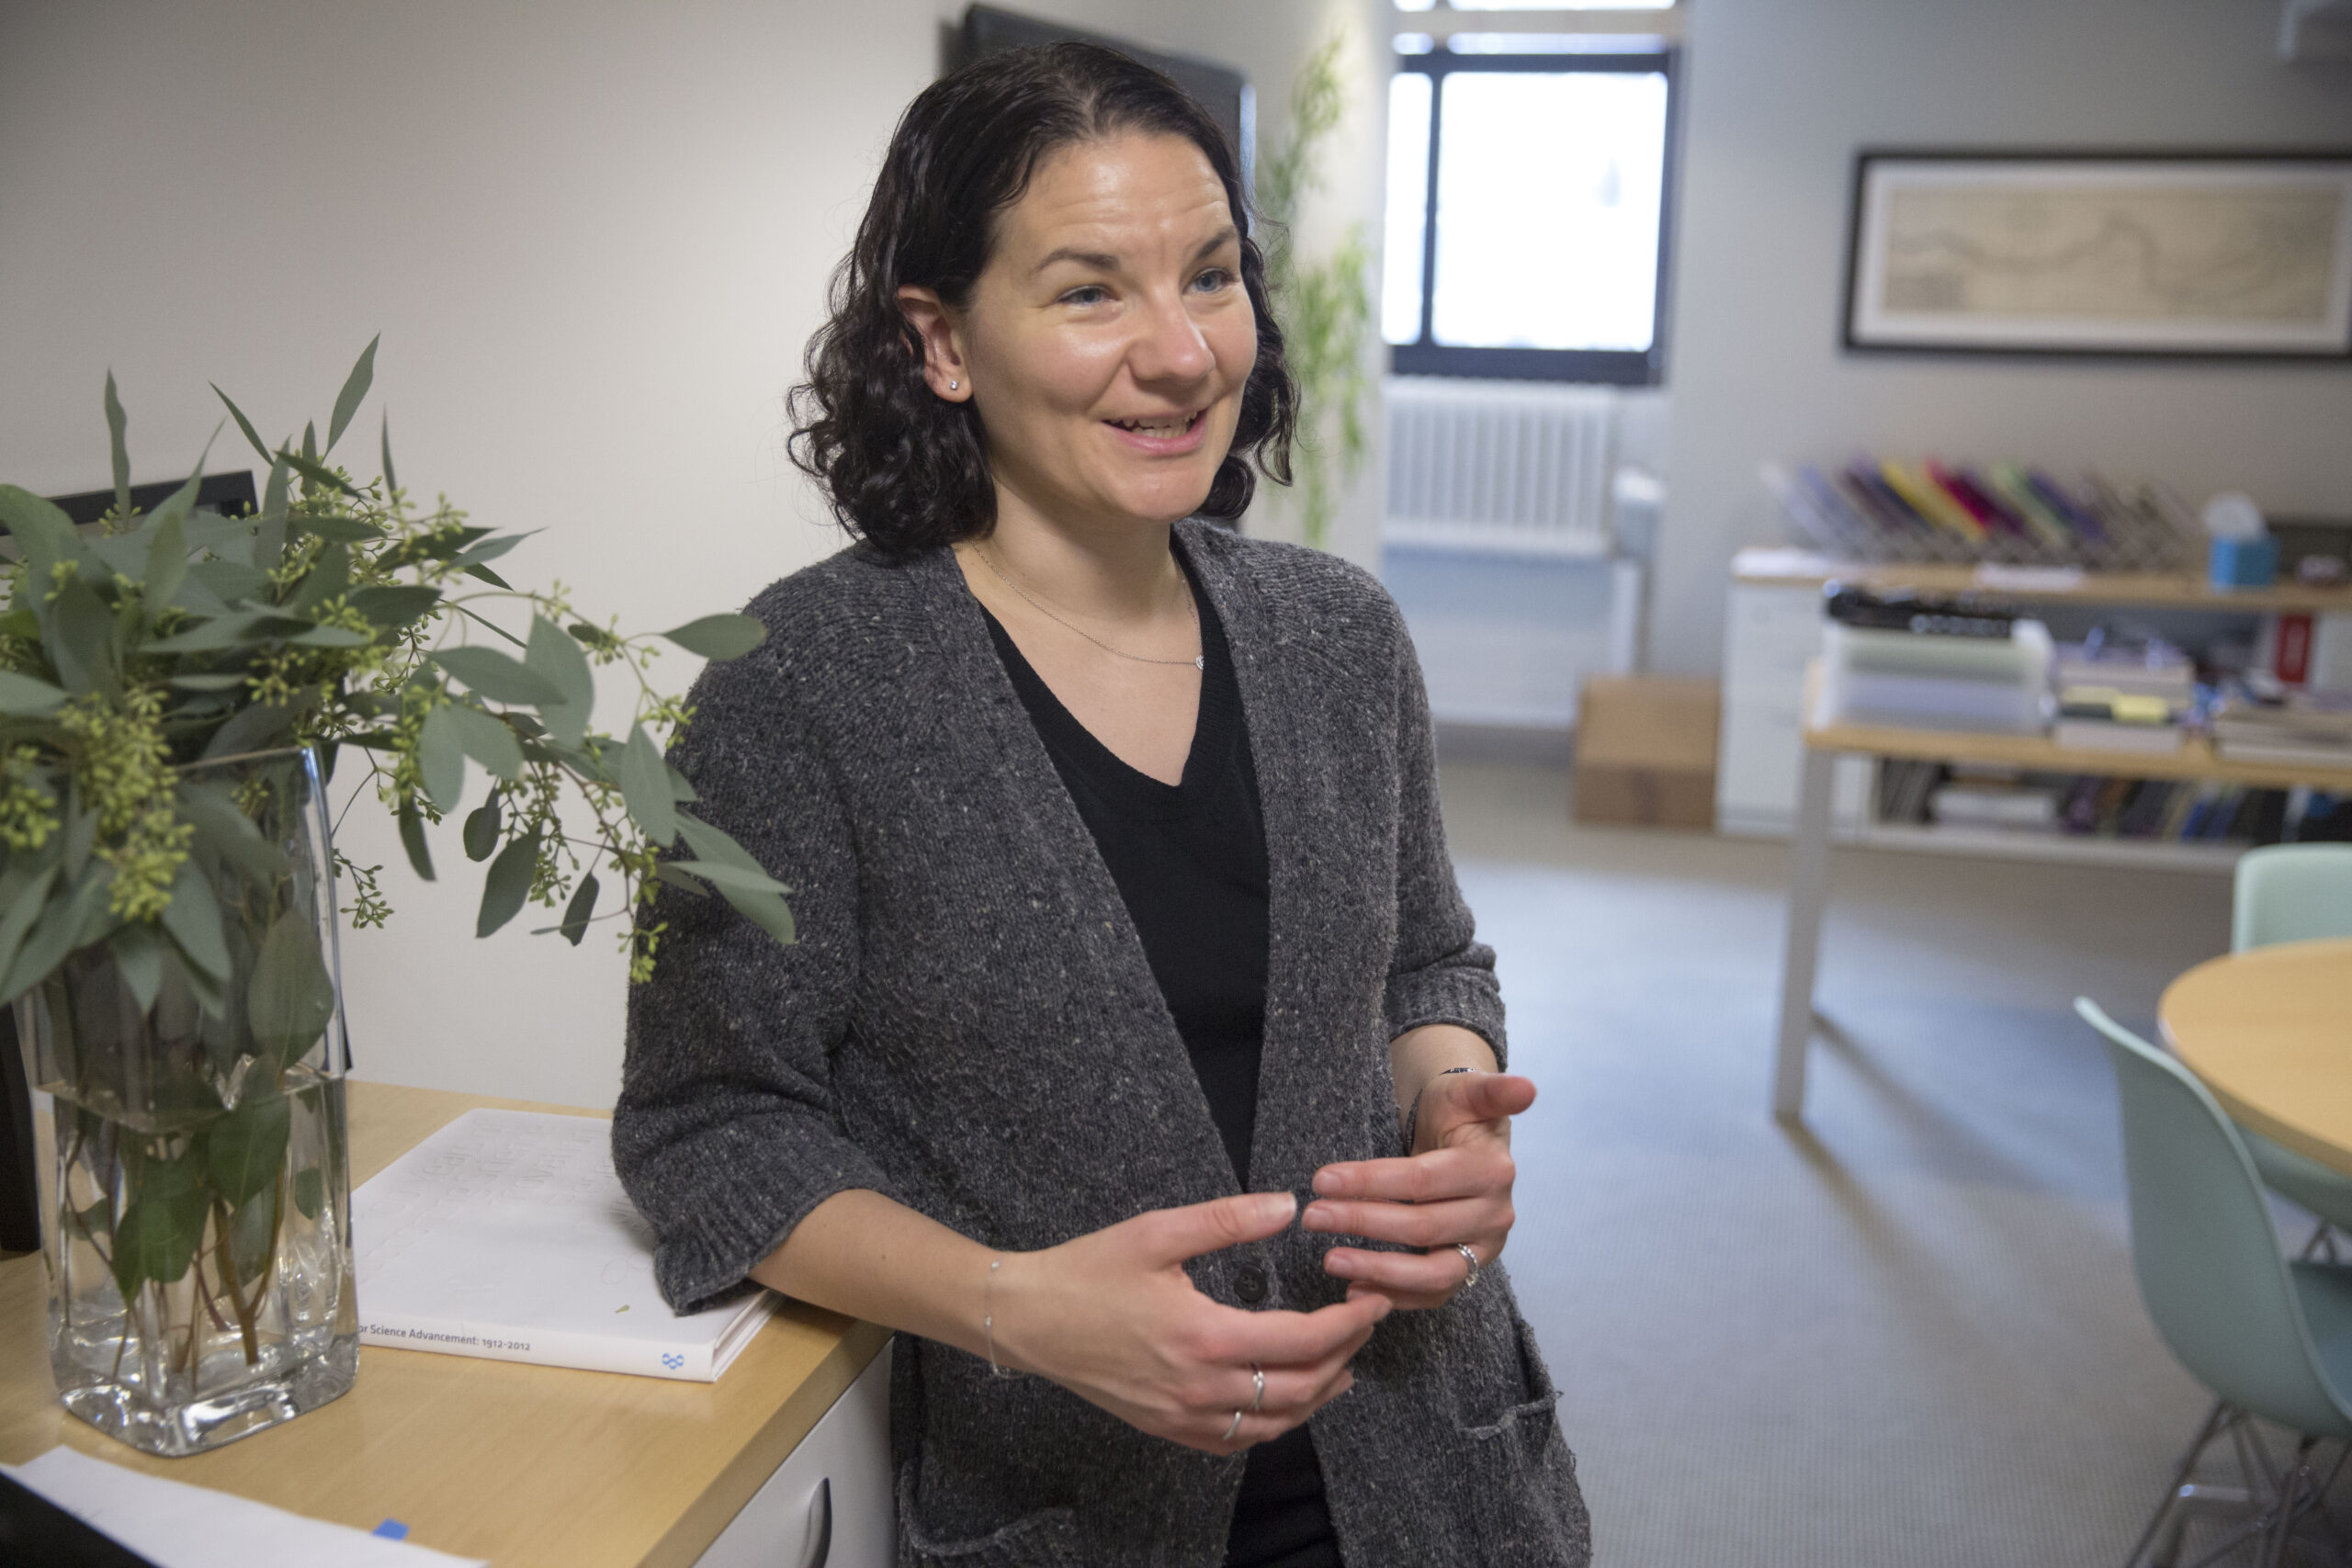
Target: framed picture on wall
[2175,255]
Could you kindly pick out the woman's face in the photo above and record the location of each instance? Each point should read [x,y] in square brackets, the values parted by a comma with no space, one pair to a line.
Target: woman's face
[1107,343]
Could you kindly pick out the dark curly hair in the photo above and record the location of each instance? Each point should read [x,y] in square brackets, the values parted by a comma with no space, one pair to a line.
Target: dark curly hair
[907,471]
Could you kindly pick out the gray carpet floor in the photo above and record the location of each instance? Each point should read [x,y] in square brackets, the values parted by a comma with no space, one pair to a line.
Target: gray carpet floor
[1906,1333]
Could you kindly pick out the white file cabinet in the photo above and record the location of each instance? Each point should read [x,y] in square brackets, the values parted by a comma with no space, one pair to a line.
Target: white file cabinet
[830,1505]
[1771,631]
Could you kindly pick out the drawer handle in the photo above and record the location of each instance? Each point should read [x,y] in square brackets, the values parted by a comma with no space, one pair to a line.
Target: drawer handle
[821,1526]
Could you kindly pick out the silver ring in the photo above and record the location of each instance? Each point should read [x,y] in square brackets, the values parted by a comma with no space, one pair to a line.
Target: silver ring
[1229,1431]
[1471,1258]
[1257,1376]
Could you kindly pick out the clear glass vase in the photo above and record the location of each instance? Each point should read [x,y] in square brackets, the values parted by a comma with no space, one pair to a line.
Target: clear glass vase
[197,1211]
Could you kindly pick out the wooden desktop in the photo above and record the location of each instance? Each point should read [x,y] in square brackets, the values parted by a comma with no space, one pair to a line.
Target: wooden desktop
[524,1466]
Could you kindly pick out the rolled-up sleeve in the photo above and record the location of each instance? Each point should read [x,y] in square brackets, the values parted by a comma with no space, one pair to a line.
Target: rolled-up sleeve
[727,1132]
[1440,973]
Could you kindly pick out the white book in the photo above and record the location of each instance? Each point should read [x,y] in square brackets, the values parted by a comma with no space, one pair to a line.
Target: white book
[2105,735]
[507,1234]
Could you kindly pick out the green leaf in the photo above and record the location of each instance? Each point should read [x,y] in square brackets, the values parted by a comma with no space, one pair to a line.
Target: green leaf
[318,473]
[576,914]
[166,566]
[23,909]
[554,656]
[40,525]
[261,727]
[182,501]
[330,637]
[118,447]
[328,576]
[207,683]
[81,643]
[161,1225]
[244,1150]
[498,677]
[354,387]
[508,884]
[21,696]
[486,741]
[442,760]
[719,636]
[420,857]
[275,498]
[290,997]
[311,441]
[193,919]
[229,833]
[243,423]
[342,530]
[57,931]
[482,830]
[252,1230]
[139,959]
[724,876]
[310,1192]
[395,606]
[391,485]
[645,786]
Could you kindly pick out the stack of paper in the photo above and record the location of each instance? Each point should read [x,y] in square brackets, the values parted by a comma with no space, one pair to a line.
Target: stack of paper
[507,1234]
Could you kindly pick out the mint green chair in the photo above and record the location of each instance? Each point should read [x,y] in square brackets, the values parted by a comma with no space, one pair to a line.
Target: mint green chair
[2295,892]
[2272,1339]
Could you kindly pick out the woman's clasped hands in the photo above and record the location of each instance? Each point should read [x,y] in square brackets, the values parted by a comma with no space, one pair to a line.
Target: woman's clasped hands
[1113,1316]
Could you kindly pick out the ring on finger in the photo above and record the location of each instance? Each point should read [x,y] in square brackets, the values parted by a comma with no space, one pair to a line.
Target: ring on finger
[1471,1258]
[1258,1377]
[1230,1431]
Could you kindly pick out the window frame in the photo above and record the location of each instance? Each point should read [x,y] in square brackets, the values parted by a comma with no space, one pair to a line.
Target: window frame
[1623,367]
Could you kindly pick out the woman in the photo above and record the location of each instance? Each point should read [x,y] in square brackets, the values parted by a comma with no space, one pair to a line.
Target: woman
[1124,911]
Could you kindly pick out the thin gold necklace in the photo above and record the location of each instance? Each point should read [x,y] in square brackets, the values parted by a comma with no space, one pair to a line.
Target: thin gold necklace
[1199,661]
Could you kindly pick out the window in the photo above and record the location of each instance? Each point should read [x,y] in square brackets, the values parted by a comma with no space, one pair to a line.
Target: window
[1529,185]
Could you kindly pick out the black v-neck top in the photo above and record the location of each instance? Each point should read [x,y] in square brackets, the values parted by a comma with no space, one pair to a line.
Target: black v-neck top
[1190,861]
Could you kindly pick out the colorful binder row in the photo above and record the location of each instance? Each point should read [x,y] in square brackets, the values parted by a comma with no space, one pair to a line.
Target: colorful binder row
[1889,509]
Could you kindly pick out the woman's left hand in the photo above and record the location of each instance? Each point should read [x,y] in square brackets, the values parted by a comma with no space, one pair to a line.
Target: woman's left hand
[1453,1190]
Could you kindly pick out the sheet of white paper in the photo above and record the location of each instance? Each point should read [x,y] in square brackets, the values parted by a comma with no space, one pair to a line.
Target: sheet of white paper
[174,1525]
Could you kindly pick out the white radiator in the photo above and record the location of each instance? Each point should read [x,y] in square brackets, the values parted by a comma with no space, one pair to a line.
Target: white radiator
[1518,467]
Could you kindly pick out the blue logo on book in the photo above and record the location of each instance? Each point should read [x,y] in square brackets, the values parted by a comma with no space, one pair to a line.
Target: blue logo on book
[672,1361]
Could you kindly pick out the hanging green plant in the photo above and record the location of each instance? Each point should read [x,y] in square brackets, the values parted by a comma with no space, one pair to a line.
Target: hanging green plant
[1324,307]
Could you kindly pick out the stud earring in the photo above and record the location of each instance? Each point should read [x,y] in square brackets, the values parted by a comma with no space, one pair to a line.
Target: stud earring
[951,386]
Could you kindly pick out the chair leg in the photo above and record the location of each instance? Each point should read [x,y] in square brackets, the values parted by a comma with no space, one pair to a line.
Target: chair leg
[2170,1511]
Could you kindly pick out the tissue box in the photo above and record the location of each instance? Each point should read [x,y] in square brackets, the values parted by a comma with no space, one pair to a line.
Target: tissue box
[2244,563]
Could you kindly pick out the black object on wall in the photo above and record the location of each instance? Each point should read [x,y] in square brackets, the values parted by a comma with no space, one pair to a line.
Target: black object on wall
[1220,89]
[228,494]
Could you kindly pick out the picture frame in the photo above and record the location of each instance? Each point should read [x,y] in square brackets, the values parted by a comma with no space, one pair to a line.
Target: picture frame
[2148,254]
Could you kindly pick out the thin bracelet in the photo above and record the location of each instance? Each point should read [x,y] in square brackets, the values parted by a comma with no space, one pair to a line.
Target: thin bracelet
[1413,1117]
[988,1317]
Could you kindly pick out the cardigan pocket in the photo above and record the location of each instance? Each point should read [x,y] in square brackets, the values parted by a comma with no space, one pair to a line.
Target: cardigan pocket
[1046,1539]
[1530,1509]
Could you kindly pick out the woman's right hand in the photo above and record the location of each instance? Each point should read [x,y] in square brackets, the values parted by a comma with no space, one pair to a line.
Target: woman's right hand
[1113,1317]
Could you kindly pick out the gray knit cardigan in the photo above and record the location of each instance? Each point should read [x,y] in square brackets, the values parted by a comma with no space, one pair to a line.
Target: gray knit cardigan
[968,1025]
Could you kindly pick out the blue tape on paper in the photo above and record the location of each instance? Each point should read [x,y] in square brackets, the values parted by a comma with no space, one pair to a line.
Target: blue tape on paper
[391,1529]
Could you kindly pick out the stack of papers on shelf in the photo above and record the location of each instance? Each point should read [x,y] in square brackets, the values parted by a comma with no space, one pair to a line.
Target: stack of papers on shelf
[2014,806]
[1927,681]
[2136,699]
[507,1234]
[2305,727]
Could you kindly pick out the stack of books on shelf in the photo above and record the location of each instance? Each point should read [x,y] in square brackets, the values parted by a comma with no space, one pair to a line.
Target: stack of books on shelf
[2138,698]
[1877,509]
[1985,797]
[2298,727]
[1926,663]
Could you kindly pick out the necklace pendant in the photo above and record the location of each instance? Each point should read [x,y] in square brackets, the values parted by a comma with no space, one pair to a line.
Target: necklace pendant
[1201,662]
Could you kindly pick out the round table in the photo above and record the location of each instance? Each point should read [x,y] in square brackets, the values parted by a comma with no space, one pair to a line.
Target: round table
[2270,1031]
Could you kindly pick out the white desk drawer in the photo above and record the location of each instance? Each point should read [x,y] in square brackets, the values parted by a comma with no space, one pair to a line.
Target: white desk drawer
[829,1504]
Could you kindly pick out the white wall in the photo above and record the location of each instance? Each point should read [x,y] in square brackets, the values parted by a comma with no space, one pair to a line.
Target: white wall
[594,236]
[1781,93]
